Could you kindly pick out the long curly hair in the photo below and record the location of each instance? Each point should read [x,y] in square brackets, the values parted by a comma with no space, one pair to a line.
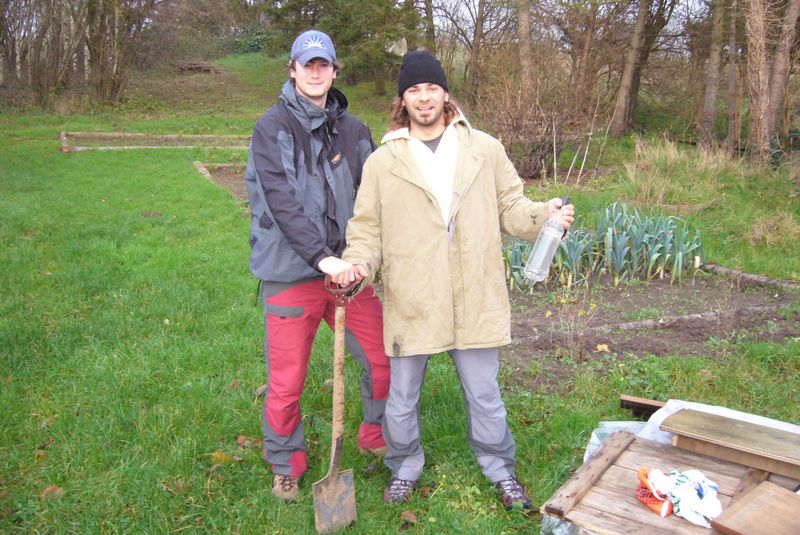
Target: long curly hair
[398,116]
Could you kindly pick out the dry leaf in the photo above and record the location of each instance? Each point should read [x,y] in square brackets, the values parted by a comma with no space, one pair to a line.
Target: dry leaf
[52,491]
[260,391]
[243,441]
[40,455]
[233,385]
[408,517]
[177,486]
[603,348]
[220,457]
[548,314]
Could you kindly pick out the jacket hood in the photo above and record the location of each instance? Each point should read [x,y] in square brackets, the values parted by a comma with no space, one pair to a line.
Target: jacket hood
[309,115]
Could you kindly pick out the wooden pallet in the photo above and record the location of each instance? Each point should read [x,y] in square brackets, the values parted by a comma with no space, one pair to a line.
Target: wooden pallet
[601,496]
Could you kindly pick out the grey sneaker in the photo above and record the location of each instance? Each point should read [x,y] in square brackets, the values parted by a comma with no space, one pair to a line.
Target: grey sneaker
[398,490]
[513,494]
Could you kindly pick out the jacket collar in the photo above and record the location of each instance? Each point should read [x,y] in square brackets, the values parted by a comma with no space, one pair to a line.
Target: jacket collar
[467,166]
[309,115]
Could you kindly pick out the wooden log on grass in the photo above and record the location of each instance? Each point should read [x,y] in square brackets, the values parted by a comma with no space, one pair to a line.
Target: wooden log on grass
[587,475]
[640,407]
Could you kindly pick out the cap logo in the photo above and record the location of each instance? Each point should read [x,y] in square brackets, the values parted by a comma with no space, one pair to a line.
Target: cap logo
[314,42]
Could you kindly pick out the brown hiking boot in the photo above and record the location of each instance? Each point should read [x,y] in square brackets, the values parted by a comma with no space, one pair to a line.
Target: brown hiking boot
[285,488]
[377,452]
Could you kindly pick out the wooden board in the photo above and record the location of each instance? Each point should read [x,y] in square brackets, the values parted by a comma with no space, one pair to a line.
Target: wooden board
[640,407]
[758,446]
[609,505]
[588,474]
[766,510]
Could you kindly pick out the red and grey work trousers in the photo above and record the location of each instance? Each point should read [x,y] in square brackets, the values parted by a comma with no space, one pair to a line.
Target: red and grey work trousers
[292,314]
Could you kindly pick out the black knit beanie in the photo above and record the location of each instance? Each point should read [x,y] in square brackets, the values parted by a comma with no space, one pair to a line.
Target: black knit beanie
[420,66]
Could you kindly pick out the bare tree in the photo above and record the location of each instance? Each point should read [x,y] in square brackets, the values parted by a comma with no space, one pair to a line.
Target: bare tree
[524,39]
[779,71]
[732,140]
[767,73]
[430,29]
[758,76]
[591,34]
[706,119]
[59,29]
[476,25]
[113,29]
[620,118]
[410,23]
[657,19]
[16,28]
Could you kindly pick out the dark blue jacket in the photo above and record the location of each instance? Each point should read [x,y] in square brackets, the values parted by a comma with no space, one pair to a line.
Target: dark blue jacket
[302,175]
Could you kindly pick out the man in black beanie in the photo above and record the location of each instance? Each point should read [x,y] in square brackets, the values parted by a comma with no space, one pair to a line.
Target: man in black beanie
[433,202]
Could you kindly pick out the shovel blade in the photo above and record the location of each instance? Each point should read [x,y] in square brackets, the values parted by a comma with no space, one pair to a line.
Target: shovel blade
[334,502]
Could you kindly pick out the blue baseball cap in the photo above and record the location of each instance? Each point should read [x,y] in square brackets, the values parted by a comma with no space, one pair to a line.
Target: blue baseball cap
[313,44]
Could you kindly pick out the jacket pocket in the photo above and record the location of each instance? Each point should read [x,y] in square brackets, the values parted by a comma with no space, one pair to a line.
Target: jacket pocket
[283,311]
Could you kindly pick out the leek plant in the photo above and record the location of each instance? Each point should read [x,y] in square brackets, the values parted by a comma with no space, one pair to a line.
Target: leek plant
[625,244]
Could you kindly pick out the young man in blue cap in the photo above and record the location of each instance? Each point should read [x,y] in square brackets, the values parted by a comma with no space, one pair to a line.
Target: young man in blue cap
[302,175]
[435,199]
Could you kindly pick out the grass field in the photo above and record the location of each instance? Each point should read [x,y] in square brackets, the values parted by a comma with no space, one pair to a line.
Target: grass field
[130,342]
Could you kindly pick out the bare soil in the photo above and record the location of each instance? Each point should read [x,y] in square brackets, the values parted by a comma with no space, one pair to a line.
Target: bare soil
[553,330]
[230,177]
[695,318]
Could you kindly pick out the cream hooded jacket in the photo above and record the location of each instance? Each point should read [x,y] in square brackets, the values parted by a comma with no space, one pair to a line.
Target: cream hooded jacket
[443,278]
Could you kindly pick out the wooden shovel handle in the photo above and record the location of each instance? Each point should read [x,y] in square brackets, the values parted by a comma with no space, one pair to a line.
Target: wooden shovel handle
[337,420]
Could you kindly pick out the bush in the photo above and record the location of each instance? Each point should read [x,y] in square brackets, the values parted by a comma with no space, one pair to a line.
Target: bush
[532,117]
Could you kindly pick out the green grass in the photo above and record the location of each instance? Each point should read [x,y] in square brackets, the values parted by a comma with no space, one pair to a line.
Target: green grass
[130,345]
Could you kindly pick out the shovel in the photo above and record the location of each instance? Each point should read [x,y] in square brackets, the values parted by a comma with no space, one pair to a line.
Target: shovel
[335,494]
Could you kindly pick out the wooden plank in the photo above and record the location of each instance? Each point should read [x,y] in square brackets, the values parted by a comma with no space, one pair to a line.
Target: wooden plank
[203,170]
[140,135]
[603,523]
[622,480]
[766,510]
[640,407]
[752,478]
[586,476]
[148,147]
[631,511]
[737,456]
[646,453]
[785,482]
[736,434]
[64,142]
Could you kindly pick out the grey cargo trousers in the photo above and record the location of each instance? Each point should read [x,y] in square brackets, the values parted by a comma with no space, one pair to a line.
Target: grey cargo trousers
[489,435]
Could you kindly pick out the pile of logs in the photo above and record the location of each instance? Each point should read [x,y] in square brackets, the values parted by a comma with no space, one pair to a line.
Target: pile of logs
[196,66]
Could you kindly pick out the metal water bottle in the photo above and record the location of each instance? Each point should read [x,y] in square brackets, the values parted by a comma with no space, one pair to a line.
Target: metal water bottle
[544,250]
